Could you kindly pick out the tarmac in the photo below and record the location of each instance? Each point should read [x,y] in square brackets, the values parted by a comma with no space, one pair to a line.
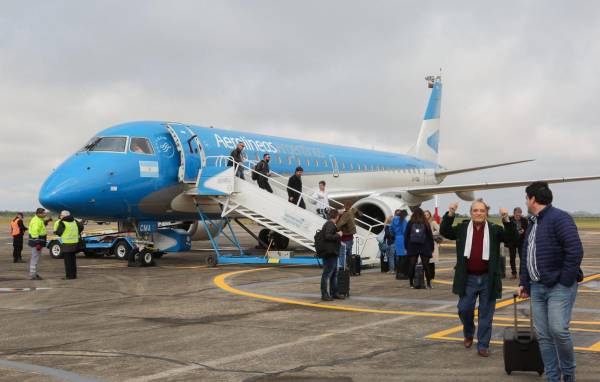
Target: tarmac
[184,321]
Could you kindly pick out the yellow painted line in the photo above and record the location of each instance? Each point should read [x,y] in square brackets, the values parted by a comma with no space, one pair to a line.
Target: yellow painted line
[183,266]
[442,334]
[220,281]
[445,282]
[595,347]
[590,278]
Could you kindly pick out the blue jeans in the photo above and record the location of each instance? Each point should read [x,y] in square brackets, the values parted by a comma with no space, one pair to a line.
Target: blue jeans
[552,309]
[391,256]
[329,276]
[239,171]
[345,252]
[477,286]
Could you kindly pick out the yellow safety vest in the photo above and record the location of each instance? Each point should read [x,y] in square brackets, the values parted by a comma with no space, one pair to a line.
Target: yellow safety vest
[56,225]
[37,227]
[71,233]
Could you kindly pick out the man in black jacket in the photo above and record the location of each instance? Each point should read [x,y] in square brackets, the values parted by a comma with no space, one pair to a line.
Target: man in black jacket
[238,159]
[331,249]
[295,188]
[264,171]
[521,223]
[69,231]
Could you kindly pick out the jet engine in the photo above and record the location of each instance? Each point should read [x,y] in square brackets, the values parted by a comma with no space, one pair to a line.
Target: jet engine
[378,208]
[467,196]
[198,231]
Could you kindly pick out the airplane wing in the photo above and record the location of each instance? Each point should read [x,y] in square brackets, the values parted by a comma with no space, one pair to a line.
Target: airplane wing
[446,172]
[443,189]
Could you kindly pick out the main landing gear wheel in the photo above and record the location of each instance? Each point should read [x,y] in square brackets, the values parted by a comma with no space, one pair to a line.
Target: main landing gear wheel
[147,258]
[55,250]
[279,241]
[143,258]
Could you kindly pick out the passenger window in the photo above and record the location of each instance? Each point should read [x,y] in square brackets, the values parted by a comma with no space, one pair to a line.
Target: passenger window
[316,163]
[351,166]
[110,144]
[299,161]
[325,164]
[279,158]
[140,146]
[343,165]
[289,160]
[308,163]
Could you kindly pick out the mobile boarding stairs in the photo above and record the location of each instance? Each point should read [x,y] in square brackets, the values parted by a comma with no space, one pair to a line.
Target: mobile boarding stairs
[241,198]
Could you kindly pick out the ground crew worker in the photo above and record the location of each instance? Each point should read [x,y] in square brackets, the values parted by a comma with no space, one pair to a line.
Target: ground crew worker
[37,240]
[68,229]
[17,230]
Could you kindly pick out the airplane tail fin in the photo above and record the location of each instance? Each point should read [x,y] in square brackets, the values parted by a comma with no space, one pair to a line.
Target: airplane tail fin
[427,143]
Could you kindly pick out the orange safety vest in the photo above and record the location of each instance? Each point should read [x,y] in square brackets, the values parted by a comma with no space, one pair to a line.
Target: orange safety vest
[15,229]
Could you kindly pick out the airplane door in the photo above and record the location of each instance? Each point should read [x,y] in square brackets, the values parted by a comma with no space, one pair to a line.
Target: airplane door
[334,166]
[190,152]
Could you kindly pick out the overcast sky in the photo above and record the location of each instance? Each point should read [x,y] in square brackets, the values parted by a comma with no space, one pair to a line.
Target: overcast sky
[521,80]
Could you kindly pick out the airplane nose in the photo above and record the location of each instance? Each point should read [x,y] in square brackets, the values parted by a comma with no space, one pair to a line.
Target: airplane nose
[58,193]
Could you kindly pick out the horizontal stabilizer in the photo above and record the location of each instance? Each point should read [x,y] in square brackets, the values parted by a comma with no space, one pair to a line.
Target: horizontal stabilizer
[469,169]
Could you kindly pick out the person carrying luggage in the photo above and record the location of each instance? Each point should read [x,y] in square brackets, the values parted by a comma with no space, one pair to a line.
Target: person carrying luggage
[418,241]
[550,272]
[329,253]
[477,271]
[516,248]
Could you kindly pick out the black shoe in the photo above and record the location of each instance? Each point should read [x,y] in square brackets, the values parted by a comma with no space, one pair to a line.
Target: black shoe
[38,277]
[429,285]
[338,296]
[327,298]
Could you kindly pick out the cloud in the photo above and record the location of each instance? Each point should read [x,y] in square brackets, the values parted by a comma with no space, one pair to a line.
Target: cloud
[520,79]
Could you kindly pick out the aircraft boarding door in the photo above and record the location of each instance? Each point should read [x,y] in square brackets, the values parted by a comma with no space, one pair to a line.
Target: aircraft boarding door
[334,166]
[190,152]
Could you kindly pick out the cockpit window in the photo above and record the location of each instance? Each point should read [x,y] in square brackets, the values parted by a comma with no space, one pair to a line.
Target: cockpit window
[140,146]
[110,144]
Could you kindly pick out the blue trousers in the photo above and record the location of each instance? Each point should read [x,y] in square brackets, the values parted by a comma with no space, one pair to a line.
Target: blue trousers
[552,309]
[329,276]
[477,286]
[345,253]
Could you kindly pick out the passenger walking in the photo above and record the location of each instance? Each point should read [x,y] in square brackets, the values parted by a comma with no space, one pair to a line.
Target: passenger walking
[398,227]
[294,189]
[332,238]
[238,160]
[347,224]
[521,223]
[477,270]
[264,171]
[550,271]
[69,230]
[17,230]
[437,240]
[37,241]
[390,240]
[418,241]
[321,199]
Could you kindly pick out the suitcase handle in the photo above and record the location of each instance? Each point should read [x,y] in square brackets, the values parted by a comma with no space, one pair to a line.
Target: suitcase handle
[516,325]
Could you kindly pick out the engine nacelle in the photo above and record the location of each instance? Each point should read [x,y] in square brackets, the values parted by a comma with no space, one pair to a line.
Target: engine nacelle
[198,232]
[379,207]
[467,196]
[413,200]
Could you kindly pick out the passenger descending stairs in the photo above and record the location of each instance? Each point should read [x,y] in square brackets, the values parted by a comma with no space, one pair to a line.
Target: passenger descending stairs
[243,198]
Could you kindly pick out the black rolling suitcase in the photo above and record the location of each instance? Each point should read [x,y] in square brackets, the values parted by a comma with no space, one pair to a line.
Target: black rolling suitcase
[419,279]
[384,263]
[343,281]
[355,265]
[521,348]
[401,272]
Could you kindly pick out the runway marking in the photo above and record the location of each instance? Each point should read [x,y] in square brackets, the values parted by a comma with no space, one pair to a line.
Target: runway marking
[445,335]
[12,290]
[47,371]
[220,281]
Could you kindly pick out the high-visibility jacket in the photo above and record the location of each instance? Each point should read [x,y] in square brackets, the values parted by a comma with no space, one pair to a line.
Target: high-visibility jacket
[55,226]
[15,229]
[37,227]
[71,233]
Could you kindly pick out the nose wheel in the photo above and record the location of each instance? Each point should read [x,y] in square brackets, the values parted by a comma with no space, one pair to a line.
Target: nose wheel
[143,257]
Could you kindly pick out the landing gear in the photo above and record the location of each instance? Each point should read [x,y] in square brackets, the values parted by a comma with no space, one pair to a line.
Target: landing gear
[279,241]
[141,257]
[211,260]
[121,250]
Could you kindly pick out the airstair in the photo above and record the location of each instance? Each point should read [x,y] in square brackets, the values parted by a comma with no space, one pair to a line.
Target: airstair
[241,198]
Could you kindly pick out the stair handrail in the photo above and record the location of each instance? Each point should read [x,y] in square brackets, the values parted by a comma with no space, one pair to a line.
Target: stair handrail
[285,186]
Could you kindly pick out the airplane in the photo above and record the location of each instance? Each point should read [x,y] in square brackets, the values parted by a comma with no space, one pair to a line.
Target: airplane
[148,171]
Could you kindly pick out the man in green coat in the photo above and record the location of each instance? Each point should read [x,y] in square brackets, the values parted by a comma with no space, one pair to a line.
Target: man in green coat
[477,272]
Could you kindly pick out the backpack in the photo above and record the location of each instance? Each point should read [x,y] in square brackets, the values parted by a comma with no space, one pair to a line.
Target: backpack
[319,243]
[256,168]
[417,233]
